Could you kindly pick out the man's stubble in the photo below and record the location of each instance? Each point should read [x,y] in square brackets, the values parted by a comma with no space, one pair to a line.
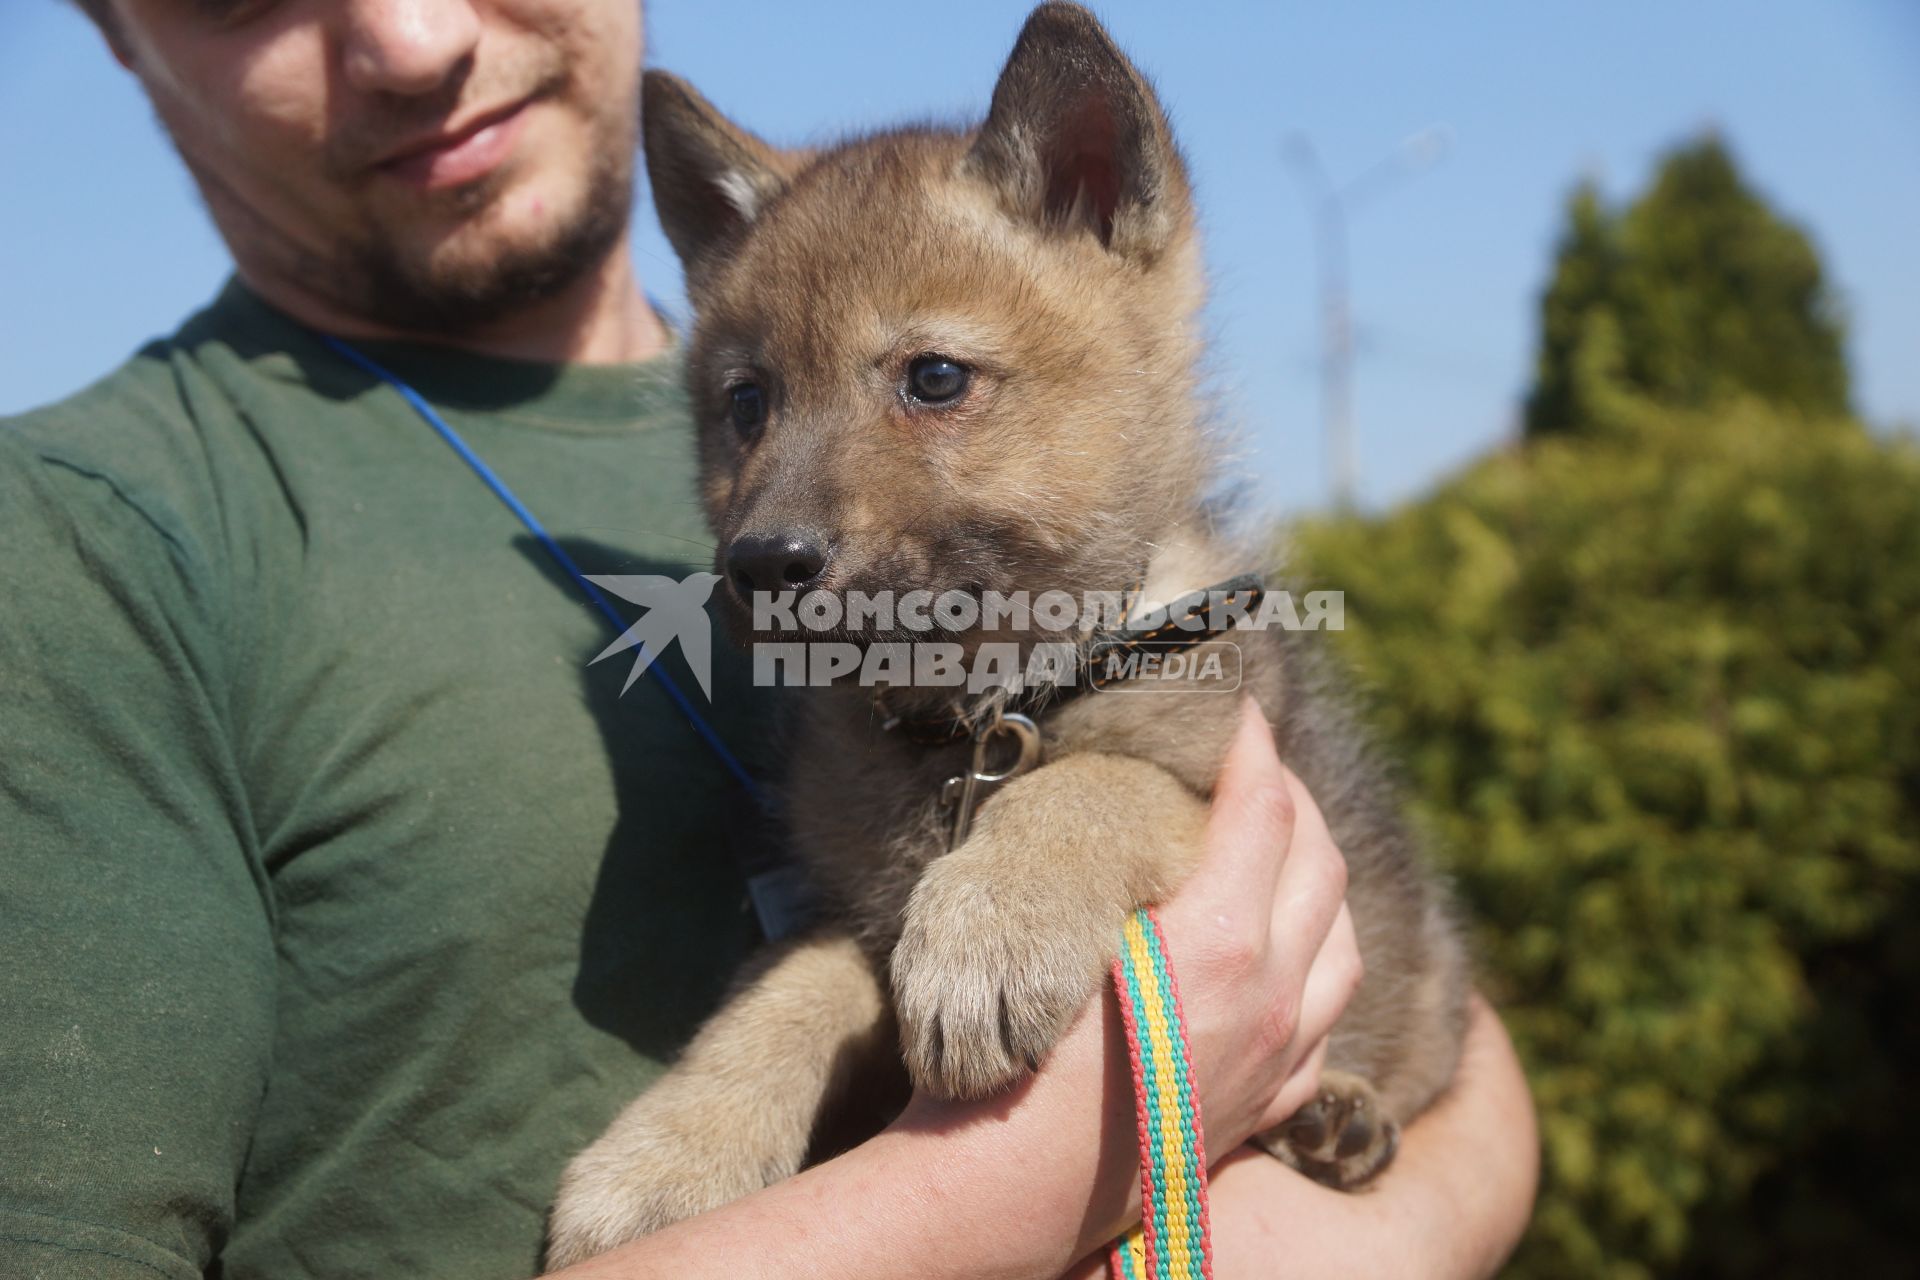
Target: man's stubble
[374,276]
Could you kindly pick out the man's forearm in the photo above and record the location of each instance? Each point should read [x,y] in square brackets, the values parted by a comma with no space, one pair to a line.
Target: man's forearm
[1019,1190]
[1016,1189]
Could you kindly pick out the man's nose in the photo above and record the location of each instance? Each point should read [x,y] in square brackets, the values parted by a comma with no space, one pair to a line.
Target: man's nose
[789,560]
[407,46]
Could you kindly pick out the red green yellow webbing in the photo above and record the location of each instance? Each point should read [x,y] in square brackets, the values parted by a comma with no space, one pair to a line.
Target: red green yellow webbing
[1171,1242]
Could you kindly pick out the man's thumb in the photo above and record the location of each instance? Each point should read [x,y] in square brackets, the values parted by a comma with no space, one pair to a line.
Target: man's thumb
[1251,823]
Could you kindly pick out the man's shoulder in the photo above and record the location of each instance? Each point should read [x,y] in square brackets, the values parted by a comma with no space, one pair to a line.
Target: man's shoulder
[147,435]
[125,442]
[140,395]
[115,417]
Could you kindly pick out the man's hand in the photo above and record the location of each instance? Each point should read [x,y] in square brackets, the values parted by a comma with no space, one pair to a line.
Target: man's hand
[1261,943]
[1263,947]
[1459,1193]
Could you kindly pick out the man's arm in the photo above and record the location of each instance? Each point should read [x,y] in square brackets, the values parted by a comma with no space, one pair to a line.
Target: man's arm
[136,955]
[1021,1186]
[993,1193]
[1025,1184]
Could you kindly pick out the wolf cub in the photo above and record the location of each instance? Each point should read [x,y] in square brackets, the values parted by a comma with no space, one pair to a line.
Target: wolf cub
[964,361]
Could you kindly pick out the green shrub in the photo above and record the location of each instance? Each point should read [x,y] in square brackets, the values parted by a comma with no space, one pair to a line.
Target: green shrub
[1657,692]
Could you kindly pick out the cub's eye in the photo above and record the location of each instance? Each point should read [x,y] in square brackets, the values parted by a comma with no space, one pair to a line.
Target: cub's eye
[749,407]
[936,379]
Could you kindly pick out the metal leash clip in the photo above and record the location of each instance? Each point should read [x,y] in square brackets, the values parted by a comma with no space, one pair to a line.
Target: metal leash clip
[964,792]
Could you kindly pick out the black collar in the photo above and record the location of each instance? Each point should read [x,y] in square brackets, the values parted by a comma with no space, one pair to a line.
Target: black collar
[1192,619]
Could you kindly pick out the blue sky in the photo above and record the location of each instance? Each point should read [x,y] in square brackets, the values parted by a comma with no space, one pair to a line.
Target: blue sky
[102,242]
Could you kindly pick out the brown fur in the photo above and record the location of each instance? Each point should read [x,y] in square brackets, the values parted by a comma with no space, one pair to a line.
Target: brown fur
[1052,251]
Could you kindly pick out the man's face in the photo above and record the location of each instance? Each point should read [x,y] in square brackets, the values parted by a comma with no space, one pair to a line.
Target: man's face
[422,163]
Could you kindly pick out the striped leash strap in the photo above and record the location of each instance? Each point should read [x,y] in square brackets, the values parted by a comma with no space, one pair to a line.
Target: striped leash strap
[1171,1242]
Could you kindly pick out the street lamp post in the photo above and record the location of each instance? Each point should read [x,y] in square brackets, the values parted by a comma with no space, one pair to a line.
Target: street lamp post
[1329,207]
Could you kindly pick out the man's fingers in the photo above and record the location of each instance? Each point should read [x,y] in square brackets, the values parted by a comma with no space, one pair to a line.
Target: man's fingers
[1297,1090]
[1331,983]
[1336,973]
[1312,884]
[1251,823]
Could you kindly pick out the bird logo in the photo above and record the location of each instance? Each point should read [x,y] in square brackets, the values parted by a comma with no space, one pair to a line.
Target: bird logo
[676,609]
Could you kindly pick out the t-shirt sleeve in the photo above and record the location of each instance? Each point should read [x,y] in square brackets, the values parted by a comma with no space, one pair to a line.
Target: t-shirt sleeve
[136,940]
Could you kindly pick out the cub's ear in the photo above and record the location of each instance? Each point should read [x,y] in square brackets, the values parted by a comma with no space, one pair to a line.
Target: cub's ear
[710,177]
[1075,139]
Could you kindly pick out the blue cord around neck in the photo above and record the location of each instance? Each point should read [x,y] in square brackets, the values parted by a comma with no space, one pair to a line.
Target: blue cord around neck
[500,490]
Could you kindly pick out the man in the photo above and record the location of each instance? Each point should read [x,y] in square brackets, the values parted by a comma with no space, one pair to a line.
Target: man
[343,900]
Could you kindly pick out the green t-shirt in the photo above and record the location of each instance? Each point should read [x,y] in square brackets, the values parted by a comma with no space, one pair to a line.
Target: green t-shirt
[341,900]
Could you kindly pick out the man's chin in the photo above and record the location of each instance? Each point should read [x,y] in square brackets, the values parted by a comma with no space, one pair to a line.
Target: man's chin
[458,233]
[456,268]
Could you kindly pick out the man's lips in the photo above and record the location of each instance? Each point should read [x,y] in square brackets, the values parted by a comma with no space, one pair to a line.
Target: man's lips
[460,155]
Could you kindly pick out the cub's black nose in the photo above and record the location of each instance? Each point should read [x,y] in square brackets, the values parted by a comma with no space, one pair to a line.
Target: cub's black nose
[791,560]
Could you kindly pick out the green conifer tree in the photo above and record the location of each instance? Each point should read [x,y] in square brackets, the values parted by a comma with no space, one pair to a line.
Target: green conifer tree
[1696,294]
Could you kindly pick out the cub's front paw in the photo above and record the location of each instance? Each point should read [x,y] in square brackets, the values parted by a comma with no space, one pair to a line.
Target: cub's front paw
[990,968]
[674,1153]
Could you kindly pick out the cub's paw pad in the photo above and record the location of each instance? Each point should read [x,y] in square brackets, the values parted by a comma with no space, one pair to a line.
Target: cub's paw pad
[1342,1139]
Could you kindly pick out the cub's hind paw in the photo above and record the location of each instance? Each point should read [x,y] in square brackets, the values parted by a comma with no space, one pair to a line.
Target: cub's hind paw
[1342,1139]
